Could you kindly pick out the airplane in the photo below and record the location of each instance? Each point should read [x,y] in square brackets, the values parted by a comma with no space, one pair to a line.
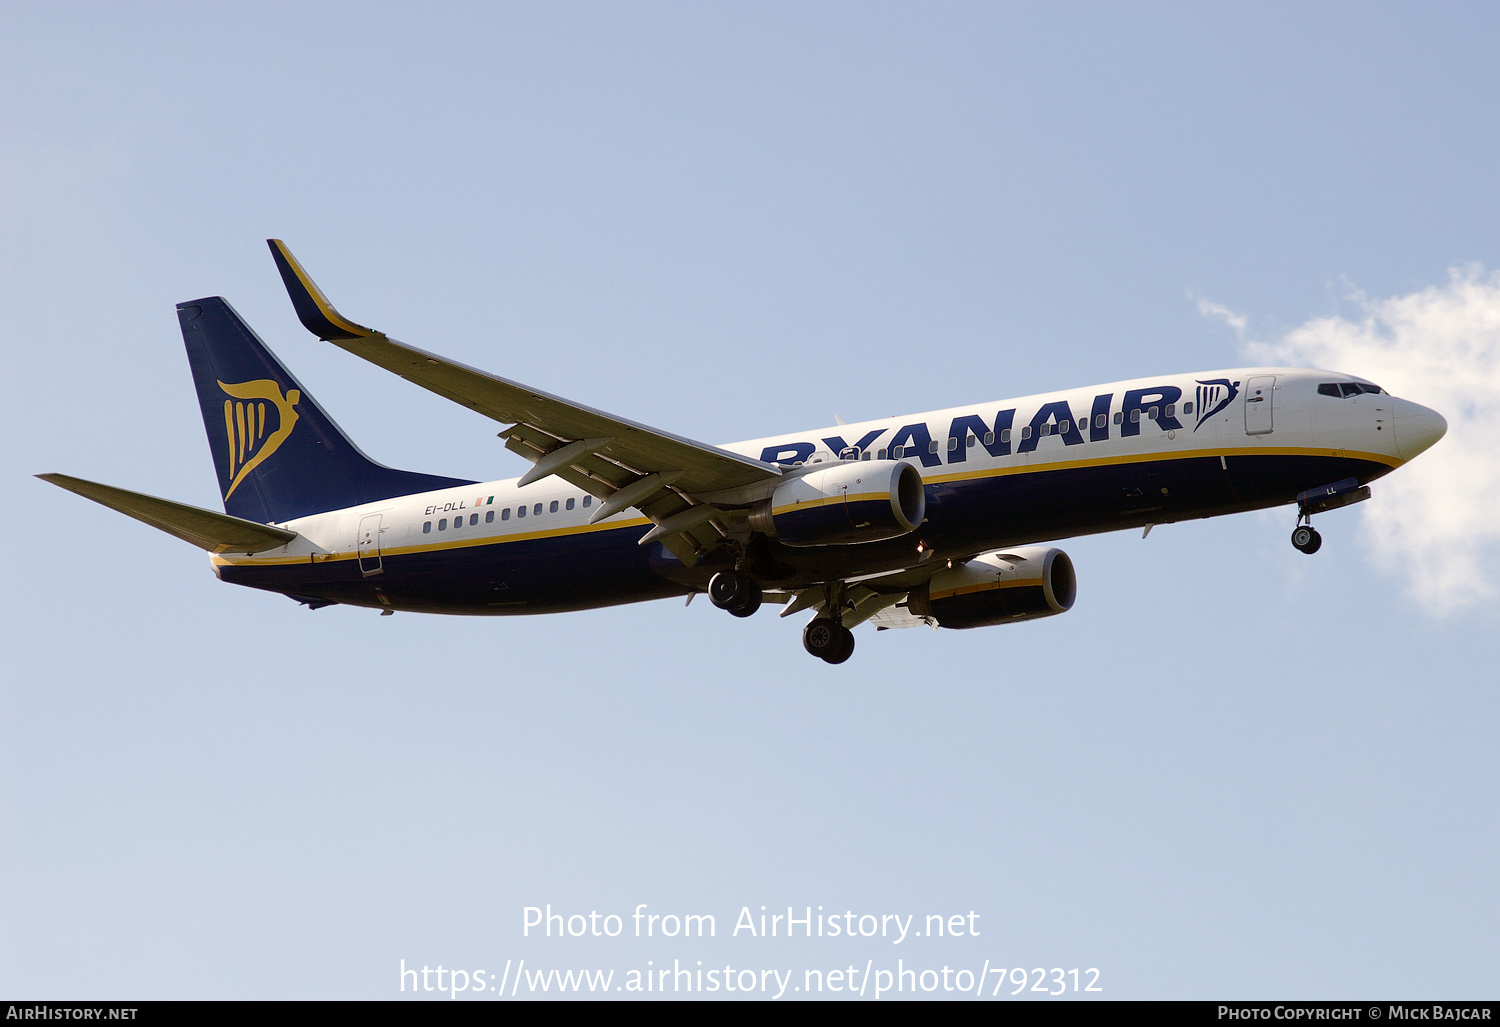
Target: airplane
[936,518]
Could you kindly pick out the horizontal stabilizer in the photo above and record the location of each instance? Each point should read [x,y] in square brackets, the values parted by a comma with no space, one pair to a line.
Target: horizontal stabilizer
[215,532]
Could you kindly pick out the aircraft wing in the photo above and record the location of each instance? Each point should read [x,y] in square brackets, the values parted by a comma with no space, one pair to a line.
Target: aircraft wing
[215,532]
[623,463]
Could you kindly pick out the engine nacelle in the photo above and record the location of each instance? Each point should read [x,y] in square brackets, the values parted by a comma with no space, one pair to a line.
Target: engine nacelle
[998,588]
[846,502]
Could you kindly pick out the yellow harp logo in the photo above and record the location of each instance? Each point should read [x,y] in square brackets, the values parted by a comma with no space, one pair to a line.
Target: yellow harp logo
[245,425]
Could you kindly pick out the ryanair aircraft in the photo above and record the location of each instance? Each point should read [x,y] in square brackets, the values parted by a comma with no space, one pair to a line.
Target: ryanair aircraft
[932,519]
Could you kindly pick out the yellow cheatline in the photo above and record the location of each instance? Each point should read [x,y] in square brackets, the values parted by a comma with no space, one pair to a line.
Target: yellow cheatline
[432,547]
[636,521]
[1136,458]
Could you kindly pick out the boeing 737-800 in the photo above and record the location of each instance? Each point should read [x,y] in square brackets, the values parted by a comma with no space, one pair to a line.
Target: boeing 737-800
[936,518]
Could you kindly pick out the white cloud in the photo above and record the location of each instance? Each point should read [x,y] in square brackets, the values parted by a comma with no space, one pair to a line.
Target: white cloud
[1433,522]
[1218,312]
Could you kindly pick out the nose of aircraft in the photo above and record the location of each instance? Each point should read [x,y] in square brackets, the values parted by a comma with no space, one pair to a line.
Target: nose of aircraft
[1417,428]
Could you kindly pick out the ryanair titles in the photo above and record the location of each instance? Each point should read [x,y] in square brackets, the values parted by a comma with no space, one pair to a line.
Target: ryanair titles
[1001,436]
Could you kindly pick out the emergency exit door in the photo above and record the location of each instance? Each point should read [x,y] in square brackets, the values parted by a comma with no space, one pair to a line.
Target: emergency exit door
[368,544]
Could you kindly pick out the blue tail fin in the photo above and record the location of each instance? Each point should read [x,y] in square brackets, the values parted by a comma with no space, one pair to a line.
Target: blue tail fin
[278,455]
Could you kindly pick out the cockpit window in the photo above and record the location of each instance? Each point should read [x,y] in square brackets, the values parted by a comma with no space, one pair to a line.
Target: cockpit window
[1343,390]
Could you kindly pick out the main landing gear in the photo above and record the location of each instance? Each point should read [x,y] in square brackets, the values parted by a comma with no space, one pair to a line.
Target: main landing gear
[735,591]
[825,637]
[828,640]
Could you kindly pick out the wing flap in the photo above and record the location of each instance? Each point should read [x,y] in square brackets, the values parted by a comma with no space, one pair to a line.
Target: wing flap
[600,476]
[215,532]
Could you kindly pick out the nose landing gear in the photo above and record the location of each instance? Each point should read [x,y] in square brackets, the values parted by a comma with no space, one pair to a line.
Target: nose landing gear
[1326,497]
[1306,539]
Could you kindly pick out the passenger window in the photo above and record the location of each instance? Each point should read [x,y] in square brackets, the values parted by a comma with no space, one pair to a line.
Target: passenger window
[553,507]
[537,510]
[1101,421]
[1135,416]
[1120,416]
[1172,409]
[1005,435]
[1026,432]
[586,501]
[1187,408]
[473,519]
[489,517]
[880,455]
[1153,413]
[897,452]
[505,514]
[952,443]
[1044,430]
[865,455]
[520,511]
[989,438]
[1063,426]
[570,503]
[443,524]
[970,441]
[427,527]
[932,446]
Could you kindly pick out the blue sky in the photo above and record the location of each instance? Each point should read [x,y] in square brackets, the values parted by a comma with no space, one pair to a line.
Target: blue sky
[1231,770]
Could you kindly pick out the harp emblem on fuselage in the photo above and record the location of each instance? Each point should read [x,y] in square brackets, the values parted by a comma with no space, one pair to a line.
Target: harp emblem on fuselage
[1214,395]
[257,420]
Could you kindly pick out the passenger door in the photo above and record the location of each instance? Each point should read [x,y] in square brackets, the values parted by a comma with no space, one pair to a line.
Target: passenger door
[1259,392]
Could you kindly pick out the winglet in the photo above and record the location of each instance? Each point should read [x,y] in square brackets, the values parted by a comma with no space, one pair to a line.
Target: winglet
[313,309]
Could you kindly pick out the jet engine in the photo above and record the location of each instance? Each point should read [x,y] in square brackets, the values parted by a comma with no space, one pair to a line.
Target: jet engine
[846,502]
[998,588]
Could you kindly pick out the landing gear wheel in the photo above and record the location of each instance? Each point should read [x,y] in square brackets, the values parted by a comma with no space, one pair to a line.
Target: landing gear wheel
[1306,539]
[828,640]
[734,591]
[750,605]
[846,651]
[823,637]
